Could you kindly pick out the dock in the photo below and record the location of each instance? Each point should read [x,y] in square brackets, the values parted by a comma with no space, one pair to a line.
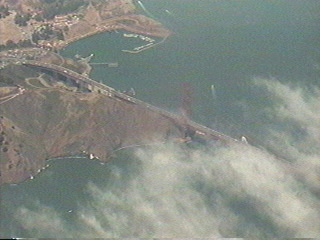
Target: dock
[107,64]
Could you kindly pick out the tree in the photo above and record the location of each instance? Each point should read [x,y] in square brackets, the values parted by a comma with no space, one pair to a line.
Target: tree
[5,79]
[60,35]
[22,20]
[4,11]
[39,18]
[35,38]
[10,44]
[24,43]
[66,28]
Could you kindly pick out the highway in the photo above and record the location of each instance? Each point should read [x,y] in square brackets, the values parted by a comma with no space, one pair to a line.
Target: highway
[12,96]
[200,130]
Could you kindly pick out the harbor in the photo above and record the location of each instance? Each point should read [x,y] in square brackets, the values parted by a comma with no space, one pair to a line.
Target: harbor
[150,42]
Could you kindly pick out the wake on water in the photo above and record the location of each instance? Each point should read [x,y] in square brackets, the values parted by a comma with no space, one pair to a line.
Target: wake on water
[168,12]
[213,191]
[146,10]
[213,92]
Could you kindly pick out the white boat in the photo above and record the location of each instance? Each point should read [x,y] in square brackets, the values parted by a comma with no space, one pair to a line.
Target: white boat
[213,91]
[212,88]
[167,11]
[244,139]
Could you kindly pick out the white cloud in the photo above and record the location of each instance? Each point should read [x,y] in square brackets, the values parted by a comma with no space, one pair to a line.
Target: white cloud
[296,104]
[42,221]
[236,191]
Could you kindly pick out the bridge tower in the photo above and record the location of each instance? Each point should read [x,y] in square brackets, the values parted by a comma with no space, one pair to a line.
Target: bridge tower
[186,100]
[186,109]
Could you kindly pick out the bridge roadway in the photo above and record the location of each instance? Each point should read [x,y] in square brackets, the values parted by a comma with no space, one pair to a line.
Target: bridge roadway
[200,130]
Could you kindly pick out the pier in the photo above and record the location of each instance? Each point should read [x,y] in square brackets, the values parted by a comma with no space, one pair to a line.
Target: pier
[107,64]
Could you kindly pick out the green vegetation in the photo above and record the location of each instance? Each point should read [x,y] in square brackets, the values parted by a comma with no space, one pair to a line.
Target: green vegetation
[22,19]
[12,45]
[51,8]
[127,22]
[6,79]
[48,9]
[74,125]
[59,35]
[4,11]
[47,32]
[38,18]
[35,82]
[53,110]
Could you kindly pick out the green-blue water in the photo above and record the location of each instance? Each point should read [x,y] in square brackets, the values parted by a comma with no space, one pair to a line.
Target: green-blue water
[225,43]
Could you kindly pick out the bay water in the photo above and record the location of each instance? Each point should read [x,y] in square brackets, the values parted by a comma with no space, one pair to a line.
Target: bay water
[236,46]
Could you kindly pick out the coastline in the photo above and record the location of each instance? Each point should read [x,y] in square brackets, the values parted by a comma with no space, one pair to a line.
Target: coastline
[113,25]
[25,165]
[86,22]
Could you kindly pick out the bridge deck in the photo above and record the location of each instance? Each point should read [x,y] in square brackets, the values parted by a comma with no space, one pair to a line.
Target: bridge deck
[201,130]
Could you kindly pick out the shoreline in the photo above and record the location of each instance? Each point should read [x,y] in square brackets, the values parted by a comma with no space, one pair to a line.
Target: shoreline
[162,32]
[89,34]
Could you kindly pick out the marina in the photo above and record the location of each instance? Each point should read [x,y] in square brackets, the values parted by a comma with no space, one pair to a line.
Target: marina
[150,43]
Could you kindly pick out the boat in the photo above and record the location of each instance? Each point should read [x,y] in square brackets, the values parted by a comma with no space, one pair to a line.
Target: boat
[244,139]
[167,11]
[213,91]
